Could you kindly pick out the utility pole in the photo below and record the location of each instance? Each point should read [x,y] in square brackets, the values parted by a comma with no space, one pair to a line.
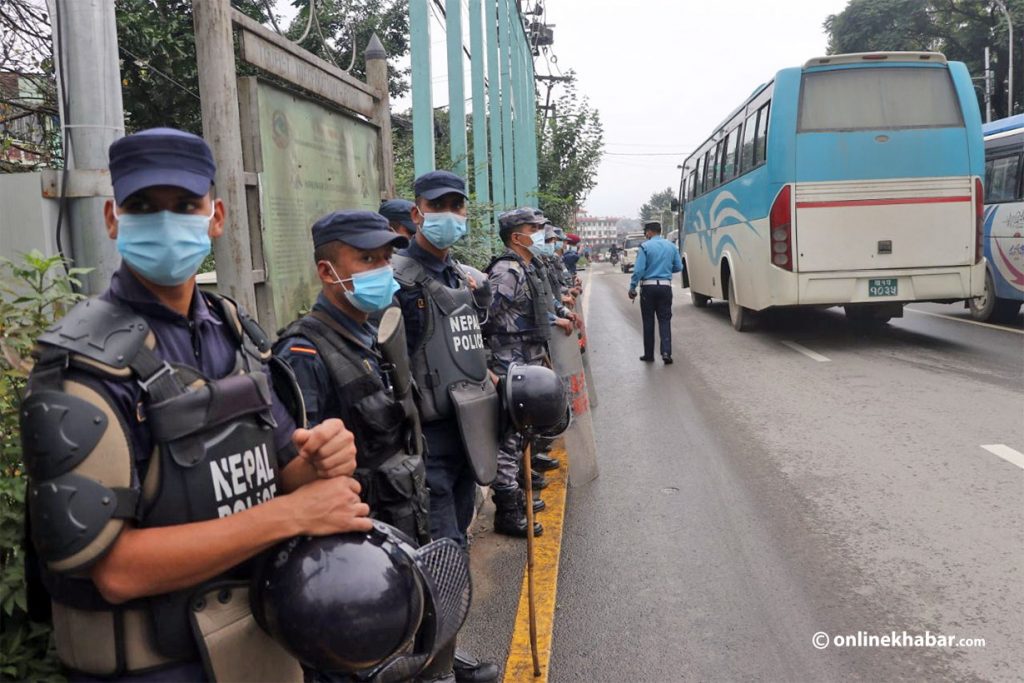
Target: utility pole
[89,77]
[1009,84]
[988,85]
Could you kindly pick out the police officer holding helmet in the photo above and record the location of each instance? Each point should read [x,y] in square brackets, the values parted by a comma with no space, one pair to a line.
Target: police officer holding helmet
[442,304]
[343,372]
[160,452]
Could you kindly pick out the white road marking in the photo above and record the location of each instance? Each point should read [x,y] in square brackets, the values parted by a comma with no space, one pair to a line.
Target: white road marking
[964,320]
[806,351]
[1006,453]
[586,294]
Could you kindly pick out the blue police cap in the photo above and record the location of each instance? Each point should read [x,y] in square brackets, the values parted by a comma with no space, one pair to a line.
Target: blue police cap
[523,216]
[439,183]
[397,211]
[160,156]
[360,229]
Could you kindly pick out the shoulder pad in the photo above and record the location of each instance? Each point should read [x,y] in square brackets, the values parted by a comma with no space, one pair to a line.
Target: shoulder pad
[246,330]
[507,256]
[101,331]
[79,459]
[407,270]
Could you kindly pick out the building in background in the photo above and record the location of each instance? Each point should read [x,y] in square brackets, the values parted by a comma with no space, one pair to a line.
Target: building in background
[28,125]
[597,232]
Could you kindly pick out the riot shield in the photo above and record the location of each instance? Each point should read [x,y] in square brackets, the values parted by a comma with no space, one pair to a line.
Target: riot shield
[579,438]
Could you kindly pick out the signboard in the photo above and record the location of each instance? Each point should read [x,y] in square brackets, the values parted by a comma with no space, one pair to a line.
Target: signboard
[313,160]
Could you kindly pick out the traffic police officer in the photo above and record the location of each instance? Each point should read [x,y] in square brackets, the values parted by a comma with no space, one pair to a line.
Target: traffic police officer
[656,261]
[517,330]
[160,456]
[340,367]
[442,303]
[399,215]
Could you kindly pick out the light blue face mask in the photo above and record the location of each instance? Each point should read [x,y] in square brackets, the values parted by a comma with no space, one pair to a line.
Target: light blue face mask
[164,247]
[548,249]
[372,290]
[443,229]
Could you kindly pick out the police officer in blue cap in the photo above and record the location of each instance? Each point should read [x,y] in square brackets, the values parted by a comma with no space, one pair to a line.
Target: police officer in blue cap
[656,261]
[443,302]
[160,451]
[399,215]
[343,372]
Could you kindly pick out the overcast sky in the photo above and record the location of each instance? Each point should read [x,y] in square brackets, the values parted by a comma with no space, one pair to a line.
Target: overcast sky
[662,73]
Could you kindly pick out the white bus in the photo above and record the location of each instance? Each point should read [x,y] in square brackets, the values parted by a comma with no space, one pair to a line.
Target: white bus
[855,180]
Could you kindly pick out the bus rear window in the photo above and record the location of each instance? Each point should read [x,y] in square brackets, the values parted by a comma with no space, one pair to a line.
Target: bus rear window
[880,98]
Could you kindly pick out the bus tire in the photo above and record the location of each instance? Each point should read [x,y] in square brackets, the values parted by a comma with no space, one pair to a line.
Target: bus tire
[990,308]
[740,317]
[700,300]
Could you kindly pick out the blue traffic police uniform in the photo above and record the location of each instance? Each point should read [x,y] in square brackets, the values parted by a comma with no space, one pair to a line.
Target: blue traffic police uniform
[656,261]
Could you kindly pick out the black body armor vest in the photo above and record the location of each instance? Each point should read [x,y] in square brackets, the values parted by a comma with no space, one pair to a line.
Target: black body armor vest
[390,465]
[540,331]
[214,451]
[452,349]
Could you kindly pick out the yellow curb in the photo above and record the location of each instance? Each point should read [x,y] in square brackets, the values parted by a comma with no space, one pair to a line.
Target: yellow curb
[546,552]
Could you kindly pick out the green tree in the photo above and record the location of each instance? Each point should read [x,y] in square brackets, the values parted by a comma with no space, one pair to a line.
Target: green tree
[569,148]
[960,29]
[655,208]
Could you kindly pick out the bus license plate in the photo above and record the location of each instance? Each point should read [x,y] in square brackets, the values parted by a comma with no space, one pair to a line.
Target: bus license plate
[882,286]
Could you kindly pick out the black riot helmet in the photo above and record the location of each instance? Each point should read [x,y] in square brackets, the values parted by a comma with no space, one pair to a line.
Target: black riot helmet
[366,604]
[536,400]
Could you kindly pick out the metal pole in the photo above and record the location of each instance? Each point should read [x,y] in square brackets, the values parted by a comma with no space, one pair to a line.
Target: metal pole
[456,91]
[422,107]
[531,98]
[87,65]
[218,97]
[522,113]
[1009,83]
[494,97]
[507,89]
[480,164]
[988,85]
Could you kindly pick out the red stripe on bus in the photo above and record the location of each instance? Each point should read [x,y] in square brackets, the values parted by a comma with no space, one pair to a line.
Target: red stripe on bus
[882,202]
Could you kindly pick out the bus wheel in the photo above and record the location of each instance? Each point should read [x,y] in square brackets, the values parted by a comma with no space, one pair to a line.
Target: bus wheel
[984,305]
[699,300]
[741,318]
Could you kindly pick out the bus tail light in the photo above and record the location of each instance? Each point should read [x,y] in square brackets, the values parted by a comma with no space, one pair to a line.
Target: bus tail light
[780,221]
[979,220]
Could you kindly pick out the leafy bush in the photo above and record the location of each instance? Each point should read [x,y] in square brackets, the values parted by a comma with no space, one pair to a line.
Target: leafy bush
[33,293]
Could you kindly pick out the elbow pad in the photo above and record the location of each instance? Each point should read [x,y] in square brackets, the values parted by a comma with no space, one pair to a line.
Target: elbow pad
[79,461]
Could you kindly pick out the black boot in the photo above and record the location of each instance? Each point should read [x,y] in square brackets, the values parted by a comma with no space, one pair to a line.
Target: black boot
[469,669]
[539,480]
[510,514]
[543,462]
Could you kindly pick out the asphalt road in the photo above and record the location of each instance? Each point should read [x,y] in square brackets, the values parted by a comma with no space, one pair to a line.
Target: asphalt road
[806,477]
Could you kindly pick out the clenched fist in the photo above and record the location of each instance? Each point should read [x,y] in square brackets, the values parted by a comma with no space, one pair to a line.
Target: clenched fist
[328,447]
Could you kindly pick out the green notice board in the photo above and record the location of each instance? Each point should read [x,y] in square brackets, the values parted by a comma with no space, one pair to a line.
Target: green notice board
[314,160]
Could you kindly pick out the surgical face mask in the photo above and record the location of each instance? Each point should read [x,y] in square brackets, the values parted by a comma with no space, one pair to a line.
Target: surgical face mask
[372,290]
[443,229]
[536,239]
[548,248]
[164,247]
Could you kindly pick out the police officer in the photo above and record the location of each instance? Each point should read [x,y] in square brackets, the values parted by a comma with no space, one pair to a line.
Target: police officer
[517,330]
[160,455]
[656,261]
[442,303]
[399,215]
[340,367]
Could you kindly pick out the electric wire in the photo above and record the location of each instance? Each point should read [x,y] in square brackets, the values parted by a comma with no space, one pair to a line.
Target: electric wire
[141,61]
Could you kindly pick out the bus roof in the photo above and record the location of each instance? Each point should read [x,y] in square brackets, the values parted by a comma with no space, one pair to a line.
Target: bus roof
[1010,123]
[859,57]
